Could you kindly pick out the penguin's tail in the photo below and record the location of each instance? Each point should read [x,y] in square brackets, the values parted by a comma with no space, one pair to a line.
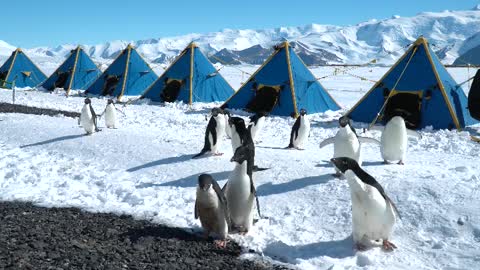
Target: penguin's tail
[258,169]
[200,154]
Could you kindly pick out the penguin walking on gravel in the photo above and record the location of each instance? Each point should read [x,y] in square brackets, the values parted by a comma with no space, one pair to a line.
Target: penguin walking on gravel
[394,140]
[256,123]
[212,209]
[300,131]
[346,143]
[240,191]
[88,118]
[214,133]
[373,212]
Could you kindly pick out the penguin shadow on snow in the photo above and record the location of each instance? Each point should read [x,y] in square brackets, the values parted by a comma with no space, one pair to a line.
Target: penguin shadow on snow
[59,139]
[188,181]
[328,164]
[163,161]
[290,254]
[271,189]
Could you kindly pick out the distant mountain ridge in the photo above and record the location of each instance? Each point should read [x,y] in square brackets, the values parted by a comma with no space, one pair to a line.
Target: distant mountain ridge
[451,33]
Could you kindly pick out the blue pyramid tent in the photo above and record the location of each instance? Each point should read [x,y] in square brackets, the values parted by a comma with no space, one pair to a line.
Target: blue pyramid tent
[128,75]
[77,72]
[22,70]
[419,88]
[282,86]
[190,78]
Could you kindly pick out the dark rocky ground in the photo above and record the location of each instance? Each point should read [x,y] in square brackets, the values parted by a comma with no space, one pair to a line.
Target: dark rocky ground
[16,108]
[34,237]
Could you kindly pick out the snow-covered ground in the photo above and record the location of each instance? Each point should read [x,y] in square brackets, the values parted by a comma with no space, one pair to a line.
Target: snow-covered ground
[144,168]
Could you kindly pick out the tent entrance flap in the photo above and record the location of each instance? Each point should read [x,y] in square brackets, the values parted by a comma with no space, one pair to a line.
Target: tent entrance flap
[61,80]
[474,97]
[406,104]
[171,90]
[265,99]
[111,82]
[3,75]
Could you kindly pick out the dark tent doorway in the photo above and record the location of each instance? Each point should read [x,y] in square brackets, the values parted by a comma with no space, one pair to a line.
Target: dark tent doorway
[171,90]
[266,97]
[407,105]
[61,80]
[111,82]
[474,97]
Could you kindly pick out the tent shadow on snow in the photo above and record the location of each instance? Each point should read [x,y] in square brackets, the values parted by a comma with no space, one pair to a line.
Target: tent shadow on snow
[59,139]
[163,161]
[289,254]
[271,189]
[188,181]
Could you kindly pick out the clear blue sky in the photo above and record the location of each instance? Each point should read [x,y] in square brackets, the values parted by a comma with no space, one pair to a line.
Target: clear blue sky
[31,23]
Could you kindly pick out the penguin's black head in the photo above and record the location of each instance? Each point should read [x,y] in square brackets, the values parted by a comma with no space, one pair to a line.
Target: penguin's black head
[262,114]
[110,101]
[236,121]
[88,101]
[345,163]
[216,112]
[303,112]
[241,154]
[226,112]
[344,121]
[205,181]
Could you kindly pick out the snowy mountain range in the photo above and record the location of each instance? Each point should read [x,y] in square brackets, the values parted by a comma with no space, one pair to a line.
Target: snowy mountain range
[452,33]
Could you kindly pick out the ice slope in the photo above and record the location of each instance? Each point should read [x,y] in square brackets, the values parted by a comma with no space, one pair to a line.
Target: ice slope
[144,168]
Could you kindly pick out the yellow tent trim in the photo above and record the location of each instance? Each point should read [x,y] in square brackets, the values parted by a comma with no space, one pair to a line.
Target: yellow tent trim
[253,75]
[73,70]
[11,66]
[192,49]
[290,78]
[125,74]
[442,88]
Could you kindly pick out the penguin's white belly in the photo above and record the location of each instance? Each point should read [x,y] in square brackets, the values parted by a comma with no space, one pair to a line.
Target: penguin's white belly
[372,219]
[86,119]
[239,198]
[220,130]
[347,147]
[236,142]
[394,143]
[303,132]
[110,117]
[211,213]
[228,130]
[255,128]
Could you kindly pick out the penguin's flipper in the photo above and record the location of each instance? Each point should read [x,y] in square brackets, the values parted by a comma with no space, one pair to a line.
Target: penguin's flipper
[94,117]
[368,140]
[224,188]
[196,210]
[222,199]
[254,192]
[258,169]
[414,133]
[327,142]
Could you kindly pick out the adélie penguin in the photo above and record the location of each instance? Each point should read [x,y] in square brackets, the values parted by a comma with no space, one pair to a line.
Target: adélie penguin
[256,123]
[394,140]
[88,117]
[212,209]
[110,114]
[240,191]
[214,133]
[373,212]
[346,143]
[300,131]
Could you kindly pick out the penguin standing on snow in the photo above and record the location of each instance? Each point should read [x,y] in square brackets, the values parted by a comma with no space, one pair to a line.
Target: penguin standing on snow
[212,209]
[214,133]
[88,117]
[300,131]
[240,191]
[373,212]
[256,123]
[110,114]
[394,140]
[238,132]
[346,143]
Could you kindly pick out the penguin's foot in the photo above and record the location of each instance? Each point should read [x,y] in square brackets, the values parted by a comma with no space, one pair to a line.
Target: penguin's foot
[401,162]
[385,162]
[388,246]
[360,247]
[298,148]
[217,154]
[221,243]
